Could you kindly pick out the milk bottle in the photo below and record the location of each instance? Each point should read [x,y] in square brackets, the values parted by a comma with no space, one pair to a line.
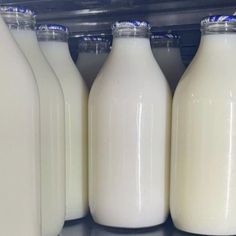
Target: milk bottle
[129,126]
[165,48]
[19,142]
[203,174]
[93,52]
[52,120]
[53,42]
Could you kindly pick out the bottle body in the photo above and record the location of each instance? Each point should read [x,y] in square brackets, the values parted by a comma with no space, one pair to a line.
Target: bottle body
[76,102]
[52,134]
[129,116]
[20,154]
[202,168]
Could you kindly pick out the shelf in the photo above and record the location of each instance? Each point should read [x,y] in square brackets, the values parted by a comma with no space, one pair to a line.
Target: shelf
[87,227]
[93,16]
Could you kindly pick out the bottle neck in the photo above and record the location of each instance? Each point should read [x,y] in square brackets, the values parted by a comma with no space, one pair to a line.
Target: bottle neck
[18,21]
[55,50]
[131,41]
[55,36]
[126,32]
[27,41]
[218,44]
[131,47]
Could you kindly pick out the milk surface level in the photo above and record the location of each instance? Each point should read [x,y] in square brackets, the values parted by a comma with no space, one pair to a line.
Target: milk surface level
[19,142]
[93,52]
[53,42]
[203,173]
[52,125]
[129,127]
[166,51]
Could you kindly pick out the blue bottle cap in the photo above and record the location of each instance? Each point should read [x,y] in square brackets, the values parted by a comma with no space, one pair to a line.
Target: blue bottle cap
[17,9]
[218,19]
[52,27]
[131,24]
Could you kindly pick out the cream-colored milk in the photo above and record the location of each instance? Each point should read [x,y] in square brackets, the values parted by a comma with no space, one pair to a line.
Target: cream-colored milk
[89,64]
[203,174]
[170,61]
[19,142]
[129,129]
[52,134]
[76,104]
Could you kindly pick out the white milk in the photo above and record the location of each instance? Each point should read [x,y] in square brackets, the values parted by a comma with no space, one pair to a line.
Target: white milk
[52,130]
[19,142]
[89,64]
[52,134]
[170,61]
[76,104]
[129,125]
[203,174]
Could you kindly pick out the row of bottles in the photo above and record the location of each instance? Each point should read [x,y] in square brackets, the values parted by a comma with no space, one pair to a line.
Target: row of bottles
[94,50]
[130,136]
[43,170]
[43,126]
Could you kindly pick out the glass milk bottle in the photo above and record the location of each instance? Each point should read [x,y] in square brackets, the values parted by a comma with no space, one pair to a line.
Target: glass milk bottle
[203,174]
[19,142]
[22,26]
[93,52]
[129,126]
[165,48]
[53,40]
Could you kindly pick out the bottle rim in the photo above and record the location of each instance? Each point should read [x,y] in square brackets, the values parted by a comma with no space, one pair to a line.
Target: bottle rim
[17,10]
[135,24]
[218,24]
[218,19]
[135,28]
[52,28]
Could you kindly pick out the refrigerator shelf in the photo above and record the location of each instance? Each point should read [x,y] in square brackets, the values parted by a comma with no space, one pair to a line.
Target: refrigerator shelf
[87,227]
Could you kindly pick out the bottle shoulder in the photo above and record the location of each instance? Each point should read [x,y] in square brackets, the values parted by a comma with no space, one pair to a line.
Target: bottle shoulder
[68,74]
[137,91]
[206,86]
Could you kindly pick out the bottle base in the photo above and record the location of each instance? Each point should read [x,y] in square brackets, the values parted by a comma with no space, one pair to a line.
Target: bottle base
[205,231]
[75,216]
[138,224]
